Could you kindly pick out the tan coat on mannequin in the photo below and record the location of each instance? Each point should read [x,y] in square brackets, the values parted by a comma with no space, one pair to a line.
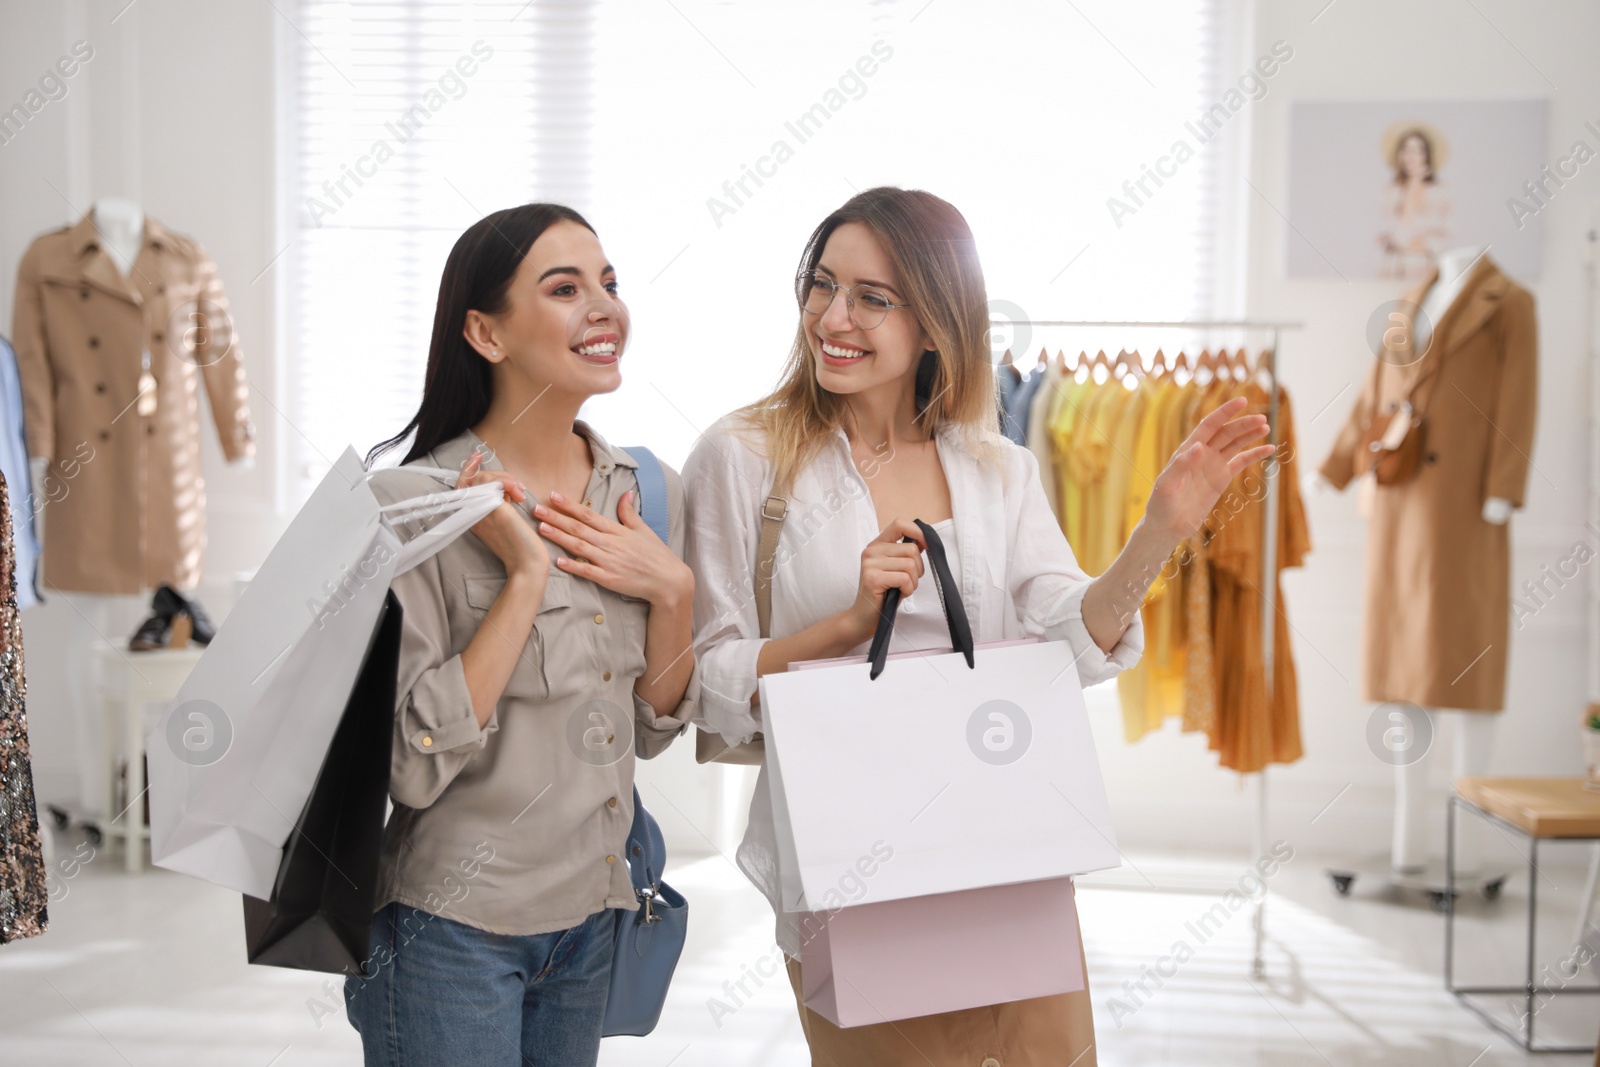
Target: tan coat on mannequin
[125,499]
[1438,574]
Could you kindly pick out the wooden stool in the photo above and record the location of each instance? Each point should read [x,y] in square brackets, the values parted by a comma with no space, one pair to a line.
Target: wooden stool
[1538,809]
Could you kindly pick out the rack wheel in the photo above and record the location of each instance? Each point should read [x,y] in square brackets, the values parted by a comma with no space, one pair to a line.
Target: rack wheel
[1441,900]
[1341,883]
[59,817]
[92,832]
[1491,890]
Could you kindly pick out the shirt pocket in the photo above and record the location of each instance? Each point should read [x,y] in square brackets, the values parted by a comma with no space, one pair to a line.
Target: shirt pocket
[634,616]
[530,679]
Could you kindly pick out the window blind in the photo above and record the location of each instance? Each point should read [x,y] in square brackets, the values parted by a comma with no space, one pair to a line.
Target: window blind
[410,121]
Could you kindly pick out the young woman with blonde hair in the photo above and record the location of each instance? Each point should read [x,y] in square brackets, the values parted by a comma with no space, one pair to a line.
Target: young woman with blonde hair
[885,413]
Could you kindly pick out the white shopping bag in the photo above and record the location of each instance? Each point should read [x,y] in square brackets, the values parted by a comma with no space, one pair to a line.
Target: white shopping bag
[971,776]
[233,761]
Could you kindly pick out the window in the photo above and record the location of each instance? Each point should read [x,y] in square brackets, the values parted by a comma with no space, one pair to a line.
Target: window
[410,122]
[726,132]
[704,140]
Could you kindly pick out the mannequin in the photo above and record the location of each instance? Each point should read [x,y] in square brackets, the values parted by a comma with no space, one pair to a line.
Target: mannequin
[1472,731]
[120,224]
[117,226]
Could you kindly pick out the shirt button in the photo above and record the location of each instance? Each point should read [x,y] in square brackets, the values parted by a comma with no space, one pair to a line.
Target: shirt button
[598,619]
[611,859]
[611,803]
[606,677]
[427,742]
[588,503]
[990,1061]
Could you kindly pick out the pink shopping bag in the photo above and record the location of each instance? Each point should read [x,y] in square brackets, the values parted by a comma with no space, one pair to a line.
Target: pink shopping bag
[898,959]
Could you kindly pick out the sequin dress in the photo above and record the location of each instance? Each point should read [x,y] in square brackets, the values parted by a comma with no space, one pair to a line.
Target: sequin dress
[22,872]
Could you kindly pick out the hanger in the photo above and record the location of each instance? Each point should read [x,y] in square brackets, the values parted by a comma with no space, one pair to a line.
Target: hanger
[1263,366]
[1100,362]
[1158,367]
[1119,366]
[1239,364]
[1181,363]
[1044,357]
[1126,364]
[1006,360]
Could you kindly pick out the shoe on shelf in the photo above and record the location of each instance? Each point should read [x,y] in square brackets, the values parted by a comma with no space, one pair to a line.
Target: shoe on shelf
[152,634]
[159,631]
[169,602]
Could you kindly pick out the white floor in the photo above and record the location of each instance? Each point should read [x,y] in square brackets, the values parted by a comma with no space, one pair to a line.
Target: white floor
[148,969]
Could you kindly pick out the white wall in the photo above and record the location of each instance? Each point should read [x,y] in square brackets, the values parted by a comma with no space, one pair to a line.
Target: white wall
[177,109]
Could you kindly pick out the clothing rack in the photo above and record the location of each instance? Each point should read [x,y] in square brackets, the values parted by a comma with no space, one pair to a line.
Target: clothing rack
[1258,966]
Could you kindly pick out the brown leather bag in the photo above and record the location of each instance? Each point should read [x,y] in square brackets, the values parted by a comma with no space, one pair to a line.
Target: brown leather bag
[1393,443]
[710,747]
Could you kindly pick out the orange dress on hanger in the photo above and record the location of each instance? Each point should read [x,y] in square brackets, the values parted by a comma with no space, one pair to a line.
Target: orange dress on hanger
[1252,729]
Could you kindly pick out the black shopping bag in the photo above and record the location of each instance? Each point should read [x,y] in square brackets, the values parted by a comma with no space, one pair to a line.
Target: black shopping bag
[321,909]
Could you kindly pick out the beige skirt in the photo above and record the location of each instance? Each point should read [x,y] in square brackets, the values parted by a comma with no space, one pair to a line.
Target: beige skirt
[1053,1031]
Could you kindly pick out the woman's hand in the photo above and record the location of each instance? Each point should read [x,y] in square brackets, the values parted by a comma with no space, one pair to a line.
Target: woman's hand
[624,555]
[886,563]
[1203,467]
[504,531]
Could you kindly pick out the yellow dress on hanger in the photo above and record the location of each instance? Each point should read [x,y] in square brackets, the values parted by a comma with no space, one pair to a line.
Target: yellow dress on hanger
[1161,685]
[1066,409]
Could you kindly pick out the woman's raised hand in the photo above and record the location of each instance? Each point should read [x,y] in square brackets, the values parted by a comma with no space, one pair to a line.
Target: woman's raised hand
[1203,467]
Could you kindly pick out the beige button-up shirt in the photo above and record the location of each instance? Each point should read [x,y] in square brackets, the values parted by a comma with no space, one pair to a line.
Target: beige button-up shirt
[519,827]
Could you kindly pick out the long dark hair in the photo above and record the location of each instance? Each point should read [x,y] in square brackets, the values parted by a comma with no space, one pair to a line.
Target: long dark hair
[459,384]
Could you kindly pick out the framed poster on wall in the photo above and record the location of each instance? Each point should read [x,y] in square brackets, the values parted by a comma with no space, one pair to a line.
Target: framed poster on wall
[1377,189]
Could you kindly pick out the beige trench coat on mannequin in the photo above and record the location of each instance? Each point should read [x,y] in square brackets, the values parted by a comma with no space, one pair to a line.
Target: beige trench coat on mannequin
[124,500]
[1438,575]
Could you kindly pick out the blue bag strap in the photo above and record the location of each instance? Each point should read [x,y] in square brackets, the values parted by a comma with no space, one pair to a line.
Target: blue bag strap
[652,490]
[646,848]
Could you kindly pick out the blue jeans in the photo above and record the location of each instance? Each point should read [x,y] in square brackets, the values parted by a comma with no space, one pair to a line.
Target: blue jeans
[445,994]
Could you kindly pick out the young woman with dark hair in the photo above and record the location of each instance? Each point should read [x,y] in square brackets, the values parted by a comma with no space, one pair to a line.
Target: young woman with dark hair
[538,658]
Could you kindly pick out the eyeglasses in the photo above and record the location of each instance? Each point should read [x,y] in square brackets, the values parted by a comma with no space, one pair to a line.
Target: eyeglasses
[868,305]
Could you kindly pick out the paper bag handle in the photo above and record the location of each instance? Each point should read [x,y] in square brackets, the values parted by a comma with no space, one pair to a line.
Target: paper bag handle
[955,613]
[464,508]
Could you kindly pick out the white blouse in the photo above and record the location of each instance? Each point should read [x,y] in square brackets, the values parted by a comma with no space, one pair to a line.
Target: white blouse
[1016,573]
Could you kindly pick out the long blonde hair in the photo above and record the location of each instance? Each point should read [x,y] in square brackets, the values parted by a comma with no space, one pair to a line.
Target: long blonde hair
[936,260]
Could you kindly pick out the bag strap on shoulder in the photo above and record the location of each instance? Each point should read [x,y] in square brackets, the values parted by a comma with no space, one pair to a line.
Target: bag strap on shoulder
[652,480]
[773,510]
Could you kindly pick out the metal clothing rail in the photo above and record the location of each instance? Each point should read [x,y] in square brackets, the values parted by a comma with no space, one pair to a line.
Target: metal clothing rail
[1258,965]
